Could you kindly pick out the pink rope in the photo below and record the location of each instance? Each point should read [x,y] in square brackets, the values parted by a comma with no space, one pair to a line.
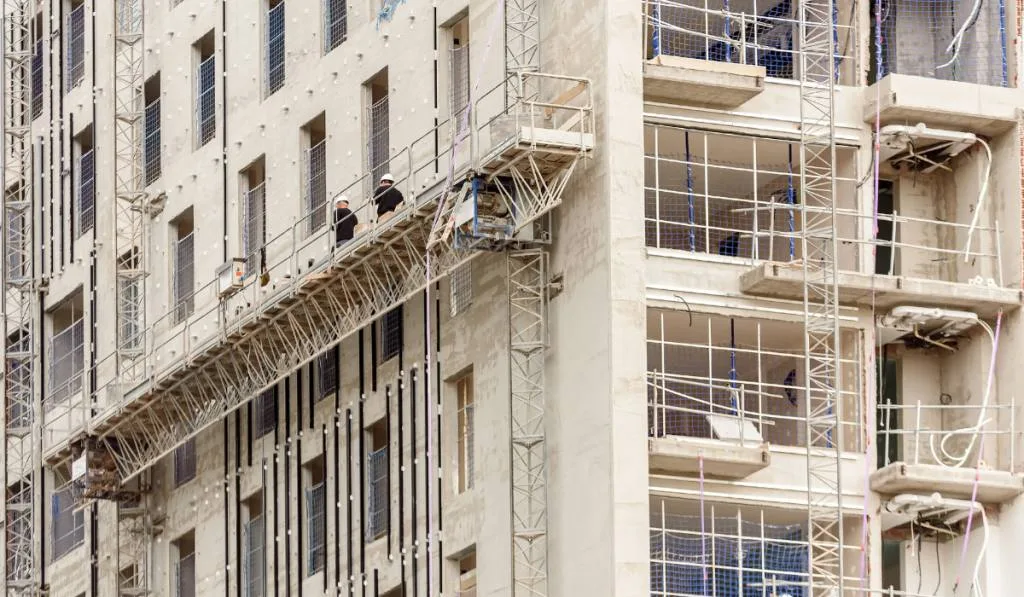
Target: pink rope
[703,534]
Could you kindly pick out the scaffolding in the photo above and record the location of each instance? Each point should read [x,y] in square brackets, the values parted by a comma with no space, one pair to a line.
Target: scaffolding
[21,458]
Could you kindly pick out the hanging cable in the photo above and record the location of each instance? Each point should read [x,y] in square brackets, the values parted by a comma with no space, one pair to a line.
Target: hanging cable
[981,199]
[958,39]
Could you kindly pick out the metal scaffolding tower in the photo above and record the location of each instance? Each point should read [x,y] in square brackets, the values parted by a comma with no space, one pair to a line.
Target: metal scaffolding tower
[130,182]
[522,47]
[21,432]
[821,308]
[527,306]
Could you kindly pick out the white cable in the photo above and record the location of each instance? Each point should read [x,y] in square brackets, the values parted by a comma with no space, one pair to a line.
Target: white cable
[958,39]
[981,199]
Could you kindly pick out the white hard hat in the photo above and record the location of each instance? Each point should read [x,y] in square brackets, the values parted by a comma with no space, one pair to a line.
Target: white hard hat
[340,198]
[387,177]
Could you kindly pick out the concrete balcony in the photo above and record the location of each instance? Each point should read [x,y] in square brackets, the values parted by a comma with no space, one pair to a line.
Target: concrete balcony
[679,80]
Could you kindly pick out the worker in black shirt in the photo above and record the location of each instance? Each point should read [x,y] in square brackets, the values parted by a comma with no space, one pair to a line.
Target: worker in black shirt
[344,222]
[386,196]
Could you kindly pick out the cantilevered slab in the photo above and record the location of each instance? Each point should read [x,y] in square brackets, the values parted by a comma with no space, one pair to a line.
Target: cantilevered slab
[693,82]
[906,99]
[681,455]
[783,280]
[994,487]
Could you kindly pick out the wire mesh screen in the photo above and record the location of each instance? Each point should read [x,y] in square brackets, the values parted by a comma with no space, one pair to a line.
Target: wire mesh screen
[327,370]
[68,524]
[944,39]
[459,68]
[86,192]
[185,576]
[254,225]
[378,137]
[726,557]
[728,195]
[184,277]
[253,565]
[151,143]
[461,286]
[67,359]
[377,492]
[316,187]
[206,101]
[185,462]
[265,412]
[37,80]
[391,334]
[75,56]
[317,524]
[335,23]
[274,49]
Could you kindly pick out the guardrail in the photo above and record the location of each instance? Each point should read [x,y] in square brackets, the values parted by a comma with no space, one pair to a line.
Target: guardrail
[420,169]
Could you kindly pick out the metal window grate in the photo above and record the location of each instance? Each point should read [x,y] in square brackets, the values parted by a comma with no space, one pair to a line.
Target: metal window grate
[185,576]
[377,492]
[335,23]
[68,523]
[459,68]
[76,47]
[151,148]
[316,187]
[86,192]
[255,542]
[391,334]
[206,96]
[378,136]
[254,225]
[67,358]
[265,412]
[37,80]
[185,462]
[327,369]
[464,387]
[317,527]
[274,50]
[461,287]
[184,277]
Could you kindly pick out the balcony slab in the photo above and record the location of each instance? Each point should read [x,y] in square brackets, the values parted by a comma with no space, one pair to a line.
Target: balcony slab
[693,82]
[994,487]
[786,281]
[726,460]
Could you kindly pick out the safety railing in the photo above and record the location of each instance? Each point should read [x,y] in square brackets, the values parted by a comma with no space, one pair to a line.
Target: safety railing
[420,169]
[948,435]
[708,375]
[759,33]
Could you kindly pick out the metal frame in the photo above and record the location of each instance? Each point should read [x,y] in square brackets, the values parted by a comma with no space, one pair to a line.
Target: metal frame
[824,432]
[527,315]
[21,461]
[522,48]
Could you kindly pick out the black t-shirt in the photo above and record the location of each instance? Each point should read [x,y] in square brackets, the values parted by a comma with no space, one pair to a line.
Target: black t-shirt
[344,224]
[387,199]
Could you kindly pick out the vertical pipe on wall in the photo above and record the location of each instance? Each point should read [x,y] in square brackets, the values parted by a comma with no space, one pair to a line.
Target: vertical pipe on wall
[227,511]
[323,450]
[348,483]
[387,480]
[438,427]
[224,125]
[238,499]
[287,485]
[277,534]
[414,378]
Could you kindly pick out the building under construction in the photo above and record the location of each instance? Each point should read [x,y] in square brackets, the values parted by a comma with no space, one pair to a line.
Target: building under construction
[808,212]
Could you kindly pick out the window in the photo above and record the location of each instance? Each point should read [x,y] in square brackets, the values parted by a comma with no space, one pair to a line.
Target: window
[183,254]
[68,523]
[183,554]
[273,48]
[314,189]
[254,540]
[206,89]
[335,23]
[254,213]
[75,44]
[377,480]
[66,349]
[327,374]
[316,521]
[37,69]
[464,394]
[151,143]
[391,334]
[458,69]
[461,288]
[265,412]
[467,575]
[185,462]
[130,334]
[85,189]
[377,132]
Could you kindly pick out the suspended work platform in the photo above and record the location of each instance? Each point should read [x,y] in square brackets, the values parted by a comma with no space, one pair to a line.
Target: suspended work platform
[308,295]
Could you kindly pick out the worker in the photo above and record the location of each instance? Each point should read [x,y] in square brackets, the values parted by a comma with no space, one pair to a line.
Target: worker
[344,222]
[386,196]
